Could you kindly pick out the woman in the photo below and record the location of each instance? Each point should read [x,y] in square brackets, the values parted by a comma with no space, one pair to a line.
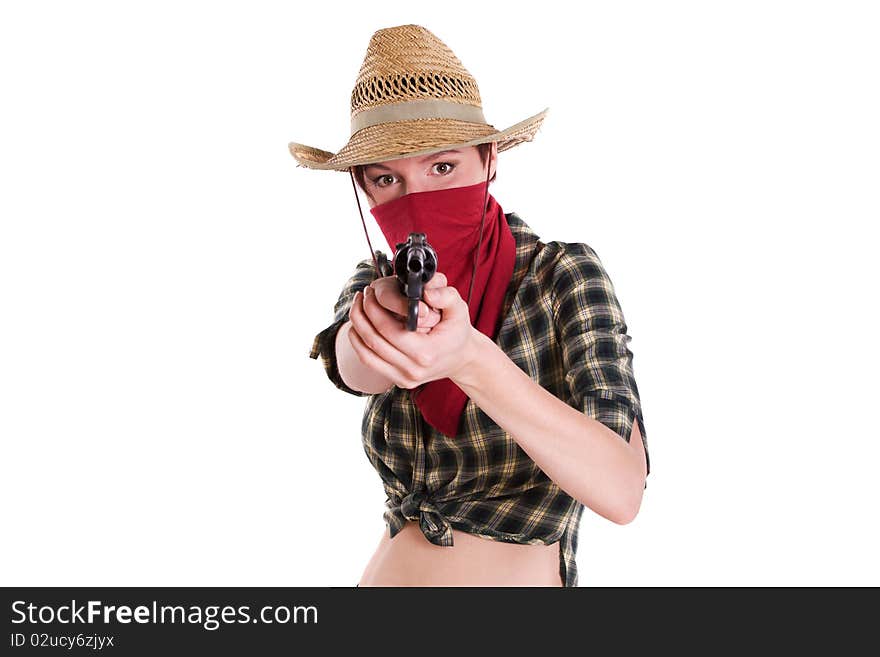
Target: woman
[513,406]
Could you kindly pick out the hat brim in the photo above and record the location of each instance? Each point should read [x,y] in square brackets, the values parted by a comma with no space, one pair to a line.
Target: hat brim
[394,141]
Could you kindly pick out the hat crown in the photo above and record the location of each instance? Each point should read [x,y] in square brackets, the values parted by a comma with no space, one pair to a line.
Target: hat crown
[409,63]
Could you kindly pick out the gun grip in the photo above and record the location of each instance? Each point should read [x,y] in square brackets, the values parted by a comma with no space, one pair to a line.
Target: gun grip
[412,318]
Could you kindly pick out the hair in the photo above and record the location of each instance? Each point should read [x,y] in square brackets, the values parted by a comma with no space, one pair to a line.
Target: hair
[358,170]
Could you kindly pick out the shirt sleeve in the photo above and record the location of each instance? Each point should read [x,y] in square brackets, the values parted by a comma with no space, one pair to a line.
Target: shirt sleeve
[592,331]
[324,343]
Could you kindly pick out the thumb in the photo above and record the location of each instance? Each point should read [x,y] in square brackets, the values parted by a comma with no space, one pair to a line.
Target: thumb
[437,280]
[446,298]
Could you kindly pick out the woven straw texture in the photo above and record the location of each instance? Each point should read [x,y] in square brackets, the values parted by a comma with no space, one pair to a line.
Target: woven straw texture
[403,65]
[409,63]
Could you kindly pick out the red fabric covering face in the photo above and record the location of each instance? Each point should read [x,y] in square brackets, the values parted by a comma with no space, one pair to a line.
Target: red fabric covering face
[450,219]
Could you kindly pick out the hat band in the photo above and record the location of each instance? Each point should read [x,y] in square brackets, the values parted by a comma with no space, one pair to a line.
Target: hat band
[416,109]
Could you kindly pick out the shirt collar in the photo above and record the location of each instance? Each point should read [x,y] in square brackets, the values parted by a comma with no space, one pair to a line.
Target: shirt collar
[526,239]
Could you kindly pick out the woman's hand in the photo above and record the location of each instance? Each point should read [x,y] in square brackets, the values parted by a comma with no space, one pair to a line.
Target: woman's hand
[439,348]
[387,293]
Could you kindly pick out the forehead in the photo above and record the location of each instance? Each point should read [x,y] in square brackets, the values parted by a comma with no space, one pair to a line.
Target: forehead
[389,166]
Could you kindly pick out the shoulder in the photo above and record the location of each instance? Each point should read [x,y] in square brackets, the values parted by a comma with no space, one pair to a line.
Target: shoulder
[556,267]
[577,282]
[567,263]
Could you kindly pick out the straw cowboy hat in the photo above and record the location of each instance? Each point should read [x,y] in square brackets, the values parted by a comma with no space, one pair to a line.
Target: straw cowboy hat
[412,97]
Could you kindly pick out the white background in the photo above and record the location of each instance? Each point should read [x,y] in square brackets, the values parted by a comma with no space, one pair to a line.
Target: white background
[164,266]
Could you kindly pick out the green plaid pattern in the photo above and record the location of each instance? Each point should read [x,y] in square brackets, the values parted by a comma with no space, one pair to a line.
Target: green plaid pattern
[563,326]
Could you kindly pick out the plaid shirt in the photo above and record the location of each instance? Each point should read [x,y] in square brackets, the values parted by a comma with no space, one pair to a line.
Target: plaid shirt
[564,327]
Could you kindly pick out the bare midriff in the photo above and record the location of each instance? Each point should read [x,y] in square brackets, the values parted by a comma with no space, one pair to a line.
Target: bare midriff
[409,559]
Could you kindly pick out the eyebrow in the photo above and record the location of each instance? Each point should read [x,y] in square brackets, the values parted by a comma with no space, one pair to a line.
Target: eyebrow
[421,159]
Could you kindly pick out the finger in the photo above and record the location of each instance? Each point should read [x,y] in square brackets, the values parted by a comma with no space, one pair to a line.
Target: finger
[389,296]
[396,334]
[448,300]
[428,317]
[380,316]
[437,280]
[362,323]
[356,302]
[386,321]
[377,329]
[369,358]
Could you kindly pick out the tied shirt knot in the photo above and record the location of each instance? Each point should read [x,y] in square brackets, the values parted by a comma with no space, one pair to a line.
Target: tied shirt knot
[417,505]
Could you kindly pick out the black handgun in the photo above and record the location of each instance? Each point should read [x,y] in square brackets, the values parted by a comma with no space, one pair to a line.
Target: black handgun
[414,263]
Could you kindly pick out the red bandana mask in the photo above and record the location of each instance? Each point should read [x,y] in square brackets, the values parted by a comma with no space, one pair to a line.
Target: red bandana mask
[450,219]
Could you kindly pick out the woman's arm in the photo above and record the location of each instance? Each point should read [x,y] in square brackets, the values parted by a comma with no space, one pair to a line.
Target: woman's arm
[585,458]
[590,461]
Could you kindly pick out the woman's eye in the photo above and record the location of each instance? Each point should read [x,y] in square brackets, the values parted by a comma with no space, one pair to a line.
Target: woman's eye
[386,179]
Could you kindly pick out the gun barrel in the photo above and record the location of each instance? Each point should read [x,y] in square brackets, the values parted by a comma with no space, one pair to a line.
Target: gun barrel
[415,260]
